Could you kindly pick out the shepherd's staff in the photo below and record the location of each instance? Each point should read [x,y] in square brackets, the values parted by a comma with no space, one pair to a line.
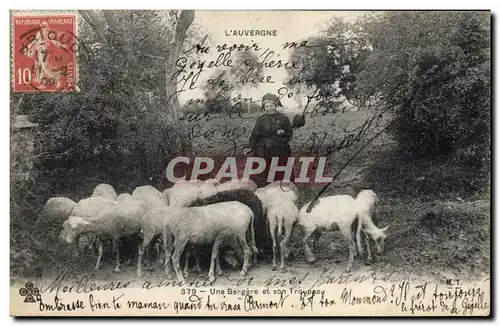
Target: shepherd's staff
[313,202]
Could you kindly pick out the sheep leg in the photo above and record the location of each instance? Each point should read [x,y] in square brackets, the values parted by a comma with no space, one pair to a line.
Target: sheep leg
[179,246]
[159,257]
[147,252]
[168,261]
[284,245]
[116,251]
[247,252]
[197,267]
[346,231]
[218,269]
[142,248]
[234,245]
[75,247]
[288,251]
[92,239]
[316,236]
[214,259]
[186,263]
[310,258]
[140,253]
[359,234]
[167,249]
[100,249]
[272,231]
[368,250]
[194,254]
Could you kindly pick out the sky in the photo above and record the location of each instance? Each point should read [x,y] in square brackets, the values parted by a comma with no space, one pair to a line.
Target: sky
[289,26]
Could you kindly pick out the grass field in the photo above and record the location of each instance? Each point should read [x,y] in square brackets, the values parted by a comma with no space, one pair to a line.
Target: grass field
[435,230]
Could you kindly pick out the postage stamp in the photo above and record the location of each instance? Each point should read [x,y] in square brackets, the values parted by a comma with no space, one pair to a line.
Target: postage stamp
[251,163]
[44,52]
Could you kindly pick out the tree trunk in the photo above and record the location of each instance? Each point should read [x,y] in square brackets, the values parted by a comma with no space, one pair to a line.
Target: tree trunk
[167,83]
[185,20]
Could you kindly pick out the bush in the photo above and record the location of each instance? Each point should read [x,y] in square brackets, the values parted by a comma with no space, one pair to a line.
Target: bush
[436,77]
[433,70]
[396,174]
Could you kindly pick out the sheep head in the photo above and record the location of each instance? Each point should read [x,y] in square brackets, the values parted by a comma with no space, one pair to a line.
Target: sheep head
[379,238]
[72,227]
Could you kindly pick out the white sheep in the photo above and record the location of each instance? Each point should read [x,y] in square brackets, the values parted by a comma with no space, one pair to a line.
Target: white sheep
[208,224]
[112,220]
[330,213]
[152,227]
[185,192]
[208,188]
[152,196]
[213,182]
[365,202]
[105,190]
[57,209]
[87,208]
[237,184]
[123,197]
[243,196]
[282,213]
[287,191]
[182,193]
[284,186]
[90,207]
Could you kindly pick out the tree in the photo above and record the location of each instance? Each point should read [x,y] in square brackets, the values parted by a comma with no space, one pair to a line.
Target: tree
[116,129]
[433,70]
[217,92]
[329,63]
[162,55]
[244,73]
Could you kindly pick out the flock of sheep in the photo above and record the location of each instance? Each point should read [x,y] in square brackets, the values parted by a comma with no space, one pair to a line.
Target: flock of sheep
[195,214]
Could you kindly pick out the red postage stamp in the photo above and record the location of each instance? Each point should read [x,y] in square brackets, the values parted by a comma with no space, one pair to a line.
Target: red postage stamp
[44,53]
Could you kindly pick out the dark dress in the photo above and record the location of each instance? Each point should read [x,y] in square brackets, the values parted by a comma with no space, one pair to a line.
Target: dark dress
[266,143]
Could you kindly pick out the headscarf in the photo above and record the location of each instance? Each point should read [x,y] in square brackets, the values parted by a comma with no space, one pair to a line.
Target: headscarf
[271,98]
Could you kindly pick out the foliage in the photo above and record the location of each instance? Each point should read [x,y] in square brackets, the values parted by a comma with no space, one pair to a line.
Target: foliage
[245,69]
[217,92]
[223,83]
[395,174]
[433,70]
[328,63]
[116,129]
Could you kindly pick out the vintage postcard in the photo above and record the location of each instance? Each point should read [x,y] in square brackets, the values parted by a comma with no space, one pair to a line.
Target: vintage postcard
[250,163]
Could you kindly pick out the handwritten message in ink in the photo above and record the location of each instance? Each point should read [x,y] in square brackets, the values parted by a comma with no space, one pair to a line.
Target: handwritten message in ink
[328,291]
[222,120]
